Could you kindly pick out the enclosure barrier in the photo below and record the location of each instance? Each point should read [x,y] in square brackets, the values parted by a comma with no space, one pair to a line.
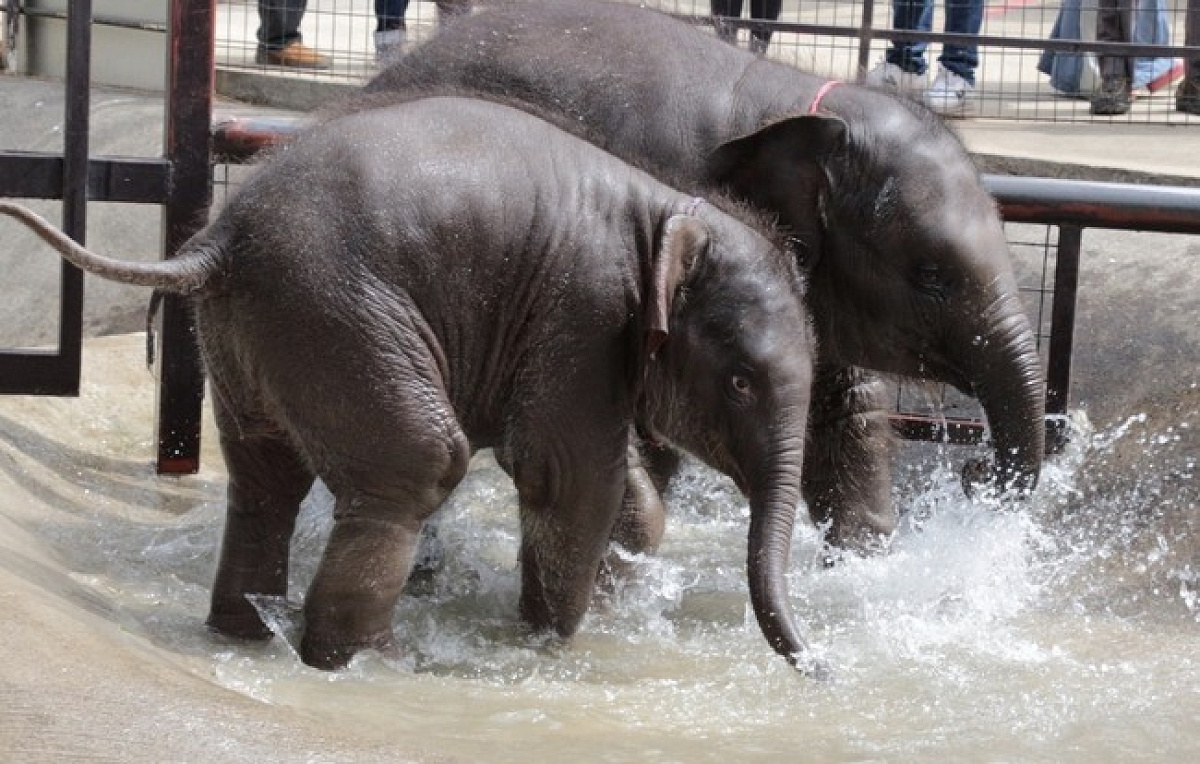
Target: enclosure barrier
[179,181]
[1070,206]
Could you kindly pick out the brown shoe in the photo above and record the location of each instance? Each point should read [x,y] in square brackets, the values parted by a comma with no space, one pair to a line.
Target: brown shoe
[1187,96]
[295,55]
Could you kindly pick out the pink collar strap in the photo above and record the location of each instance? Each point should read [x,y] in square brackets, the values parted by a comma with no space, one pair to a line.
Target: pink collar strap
[824,91]
[693,205]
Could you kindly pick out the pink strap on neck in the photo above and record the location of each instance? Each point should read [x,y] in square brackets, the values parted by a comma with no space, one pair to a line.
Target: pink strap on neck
[693,205]
[824,91]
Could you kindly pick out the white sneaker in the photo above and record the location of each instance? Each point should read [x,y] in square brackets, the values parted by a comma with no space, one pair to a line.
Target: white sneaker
[387,45]
[890,76]
[949,93]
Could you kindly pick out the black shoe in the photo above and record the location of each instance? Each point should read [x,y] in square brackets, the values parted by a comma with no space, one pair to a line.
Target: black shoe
[1113,97]
[1187,96]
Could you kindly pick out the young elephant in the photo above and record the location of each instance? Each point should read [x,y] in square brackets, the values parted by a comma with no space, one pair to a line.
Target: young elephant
[393,290]
[907,262]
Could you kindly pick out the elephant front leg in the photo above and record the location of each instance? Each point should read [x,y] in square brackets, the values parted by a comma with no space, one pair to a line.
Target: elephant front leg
[642,520]
[847,470]
[568,516]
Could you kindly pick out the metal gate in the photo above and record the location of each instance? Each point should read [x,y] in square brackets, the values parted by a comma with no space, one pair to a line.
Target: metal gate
[179,181]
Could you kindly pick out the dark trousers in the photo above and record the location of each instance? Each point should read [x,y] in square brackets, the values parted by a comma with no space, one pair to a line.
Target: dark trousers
[389,14]
[1191,36]
[279,22]
[767,10]
[1114,23]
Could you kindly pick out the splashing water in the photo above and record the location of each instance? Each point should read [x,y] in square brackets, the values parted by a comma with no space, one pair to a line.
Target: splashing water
[1059,628]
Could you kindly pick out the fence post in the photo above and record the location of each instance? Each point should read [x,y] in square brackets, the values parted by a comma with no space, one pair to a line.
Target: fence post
[190,80]
[1062,334]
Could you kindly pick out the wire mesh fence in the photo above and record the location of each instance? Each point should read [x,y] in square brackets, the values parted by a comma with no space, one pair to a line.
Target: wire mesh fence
[1037,59]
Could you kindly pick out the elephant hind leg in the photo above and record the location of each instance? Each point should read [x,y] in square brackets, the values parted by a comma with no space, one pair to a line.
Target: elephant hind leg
[847,469]
[388,474]
[268,479]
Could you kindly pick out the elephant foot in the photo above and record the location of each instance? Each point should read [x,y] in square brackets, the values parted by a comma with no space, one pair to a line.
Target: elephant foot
[241,623]
[331,653]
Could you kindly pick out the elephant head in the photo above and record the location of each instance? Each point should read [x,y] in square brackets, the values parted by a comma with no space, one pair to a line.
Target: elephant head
[908,267]
[728,378]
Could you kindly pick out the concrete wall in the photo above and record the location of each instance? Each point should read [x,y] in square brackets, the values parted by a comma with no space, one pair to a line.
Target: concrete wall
[122,56]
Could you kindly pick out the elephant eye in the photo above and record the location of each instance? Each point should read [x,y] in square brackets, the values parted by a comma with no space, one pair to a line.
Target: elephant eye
[740,388]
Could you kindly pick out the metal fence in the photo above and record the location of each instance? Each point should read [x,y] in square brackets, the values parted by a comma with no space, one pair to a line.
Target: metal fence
[837,38]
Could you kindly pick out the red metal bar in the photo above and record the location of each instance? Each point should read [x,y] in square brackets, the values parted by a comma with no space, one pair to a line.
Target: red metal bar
[190,77]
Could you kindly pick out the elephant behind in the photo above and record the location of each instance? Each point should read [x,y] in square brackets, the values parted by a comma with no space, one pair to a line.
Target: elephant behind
[908,267]
[389,292]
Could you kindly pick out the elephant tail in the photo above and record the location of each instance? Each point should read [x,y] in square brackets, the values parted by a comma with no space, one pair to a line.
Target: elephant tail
[189,271]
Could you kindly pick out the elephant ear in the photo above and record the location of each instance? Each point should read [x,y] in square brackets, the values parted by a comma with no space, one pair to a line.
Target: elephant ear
[791,143]
[785,167]
[684,239]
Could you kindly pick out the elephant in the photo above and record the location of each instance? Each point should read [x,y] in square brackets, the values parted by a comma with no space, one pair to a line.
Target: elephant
[388,294]
[908,268]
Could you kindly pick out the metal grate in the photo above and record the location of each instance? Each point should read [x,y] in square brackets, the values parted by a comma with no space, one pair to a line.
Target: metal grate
[828,37]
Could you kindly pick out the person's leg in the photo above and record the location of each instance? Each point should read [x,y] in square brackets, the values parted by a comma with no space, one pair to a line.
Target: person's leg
[279,22]
[1187,96]
[1114,23]
[769,11]
[389,14]
[279,42]
[389,28]
[910,15]
[962,17]
[726,9]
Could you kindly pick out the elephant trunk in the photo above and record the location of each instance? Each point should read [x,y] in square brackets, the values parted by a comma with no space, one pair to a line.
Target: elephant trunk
[773,506]
[1008,381]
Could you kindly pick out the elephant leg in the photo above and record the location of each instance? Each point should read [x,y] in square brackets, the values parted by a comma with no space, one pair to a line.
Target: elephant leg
[390,463]
[267,481]
[640,526]
[570,497]
[847,469]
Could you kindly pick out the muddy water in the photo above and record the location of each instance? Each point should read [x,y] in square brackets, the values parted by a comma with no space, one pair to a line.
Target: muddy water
[1066,628]
[989,632]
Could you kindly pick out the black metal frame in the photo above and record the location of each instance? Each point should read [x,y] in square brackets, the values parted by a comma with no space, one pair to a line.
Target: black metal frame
[179,181]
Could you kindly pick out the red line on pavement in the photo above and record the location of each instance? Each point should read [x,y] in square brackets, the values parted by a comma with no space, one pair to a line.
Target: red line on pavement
[999,9]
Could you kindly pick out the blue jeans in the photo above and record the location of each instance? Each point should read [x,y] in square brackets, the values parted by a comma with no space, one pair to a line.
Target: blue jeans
[962,17]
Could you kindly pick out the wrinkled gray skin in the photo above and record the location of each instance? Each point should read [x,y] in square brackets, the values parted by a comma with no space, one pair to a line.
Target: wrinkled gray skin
[908,267]
[389,293]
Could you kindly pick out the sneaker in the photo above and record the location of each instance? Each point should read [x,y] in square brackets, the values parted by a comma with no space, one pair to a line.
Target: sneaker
[1187,96]
[1113,97]
[295,55]
[387,45]
[891,77]
[949,93]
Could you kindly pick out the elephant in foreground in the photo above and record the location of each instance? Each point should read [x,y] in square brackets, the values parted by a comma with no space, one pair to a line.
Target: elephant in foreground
[908,268]
[389,293]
